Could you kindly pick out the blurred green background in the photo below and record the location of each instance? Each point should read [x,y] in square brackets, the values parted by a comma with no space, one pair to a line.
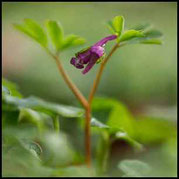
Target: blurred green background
[138,75]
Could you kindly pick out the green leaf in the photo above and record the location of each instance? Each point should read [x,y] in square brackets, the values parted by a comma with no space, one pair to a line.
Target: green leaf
[74,171]
[72,40]
[9,118]
[100,103]
[151,41]
[127,138]
[5,90]
[56,33]
[117,25]
[33,117]
[141,27]
[43,106]
[58,150]
[19,161]
[153,33]
[33,30]
[120,119]
[151,37]
[150,130]
[9,88]
[32,146]
[130,34]
[96,123]
[134,168]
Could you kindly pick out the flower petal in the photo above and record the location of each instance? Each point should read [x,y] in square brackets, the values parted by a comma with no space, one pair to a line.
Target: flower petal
[76,62]
[73,61]
[84,55]
[105,40]
[98,50]
[93,58]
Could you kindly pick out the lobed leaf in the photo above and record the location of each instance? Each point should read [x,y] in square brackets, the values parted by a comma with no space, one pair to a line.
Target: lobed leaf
[151,41]
[117,24]
[33,30]
[141,27]
[72,40]
[55,32]
[130,34]
[153,33]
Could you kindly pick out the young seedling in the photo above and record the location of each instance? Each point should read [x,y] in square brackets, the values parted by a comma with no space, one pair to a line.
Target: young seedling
[88,57]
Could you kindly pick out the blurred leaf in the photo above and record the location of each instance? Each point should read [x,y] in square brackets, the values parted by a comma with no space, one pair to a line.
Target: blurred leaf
[151,37]
[20,162]
[5,90]
[21,131]
[102,152]
[96,123]
[120,119]
[141,27]
[57,150]
[32,146]
[33,30]
[153,33]
[144,130]
[117,25]
[34,117]
[134,168]
[153,130]
[100,103]
[43,106]
[56,33]
[72,40]
[74,171]
[127,138]
[56,123]
[9,117]
[9,88]
[130,34]
[151,41]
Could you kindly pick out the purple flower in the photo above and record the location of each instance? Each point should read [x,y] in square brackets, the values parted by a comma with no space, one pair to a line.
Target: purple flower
[91,55]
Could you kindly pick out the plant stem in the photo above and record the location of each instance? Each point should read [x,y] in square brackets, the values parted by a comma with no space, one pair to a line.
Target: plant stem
[99,73]
[103,152]
[84,103]
[70,84]
[56,124]
[88,136]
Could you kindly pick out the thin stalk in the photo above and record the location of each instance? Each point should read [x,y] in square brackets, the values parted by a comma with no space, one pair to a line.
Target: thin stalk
[88,137]
[83,102]
[71,85]
[56,124]
[103,153]
[99,73]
